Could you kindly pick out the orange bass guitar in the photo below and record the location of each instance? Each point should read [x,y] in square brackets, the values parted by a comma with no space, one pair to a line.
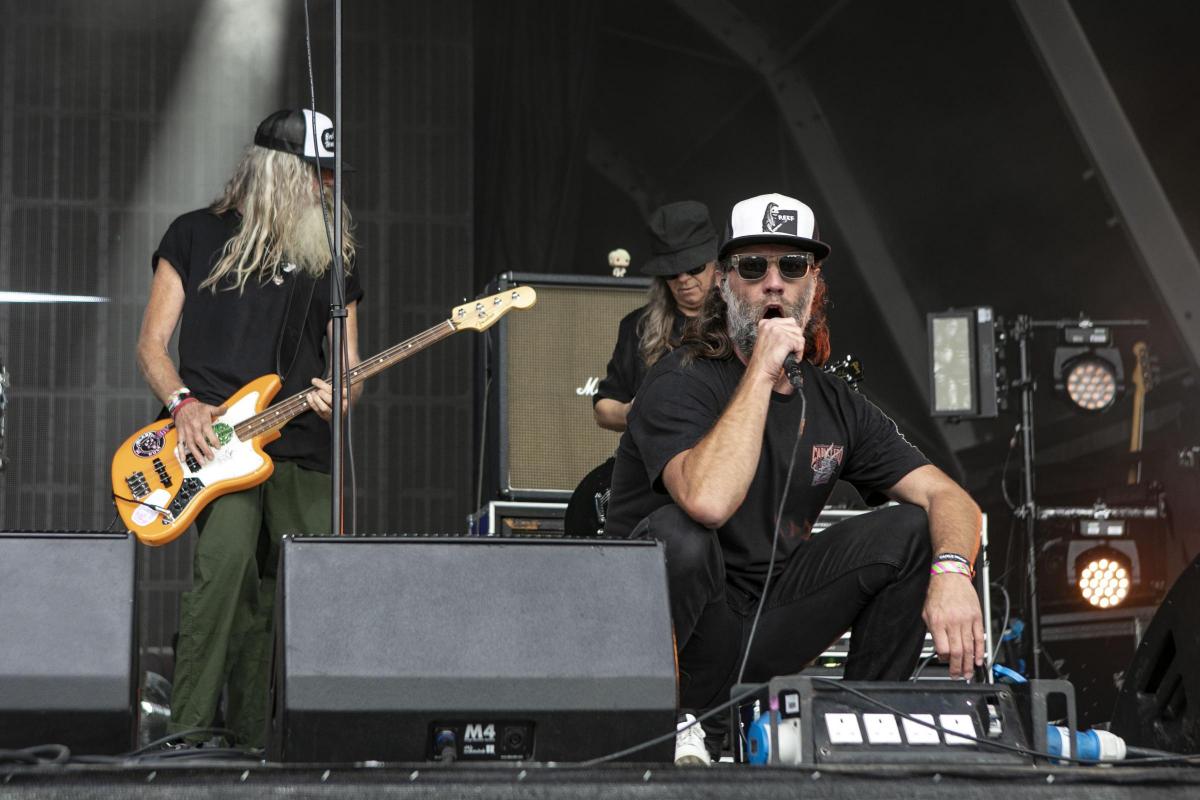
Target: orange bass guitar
[158,495]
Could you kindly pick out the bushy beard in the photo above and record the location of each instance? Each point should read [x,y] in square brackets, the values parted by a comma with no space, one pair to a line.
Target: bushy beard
[305,240]
[742,316]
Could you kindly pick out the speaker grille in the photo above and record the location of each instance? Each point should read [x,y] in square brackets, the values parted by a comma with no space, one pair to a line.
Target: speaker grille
[553,358]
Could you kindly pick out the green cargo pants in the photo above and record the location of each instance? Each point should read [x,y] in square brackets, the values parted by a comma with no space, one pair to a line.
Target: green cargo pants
[226,620]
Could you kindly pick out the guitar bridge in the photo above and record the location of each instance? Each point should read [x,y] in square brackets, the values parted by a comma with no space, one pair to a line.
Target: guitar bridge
[137,485]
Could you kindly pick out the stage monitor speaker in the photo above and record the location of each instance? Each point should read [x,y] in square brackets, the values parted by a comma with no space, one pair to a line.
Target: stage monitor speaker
[1159,702]
[67,641]
[472,649]
[539,372]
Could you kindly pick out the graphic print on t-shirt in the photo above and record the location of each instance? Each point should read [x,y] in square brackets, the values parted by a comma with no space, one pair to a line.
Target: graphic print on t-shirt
[826,458]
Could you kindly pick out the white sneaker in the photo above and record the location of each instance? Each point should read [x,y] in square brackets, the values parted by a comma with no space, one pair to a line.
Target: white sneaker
[689,744]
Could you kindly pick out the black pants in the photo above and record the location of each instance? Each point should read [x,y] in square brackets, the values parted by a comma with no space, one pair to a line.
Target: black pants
[869,573]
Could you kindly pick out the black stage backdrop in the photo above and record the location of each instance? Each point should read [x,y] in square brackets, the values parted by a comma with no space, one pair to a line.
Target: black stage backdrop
[116,117]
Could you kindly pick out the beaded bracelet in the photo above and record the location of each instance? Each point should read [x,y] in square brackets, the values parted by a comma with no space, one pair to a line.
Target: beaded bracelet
[943,567]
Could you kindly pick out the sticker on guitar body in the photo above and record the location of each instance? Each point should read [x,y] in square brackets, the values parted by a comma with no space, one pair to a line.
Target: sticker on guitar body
[233,459]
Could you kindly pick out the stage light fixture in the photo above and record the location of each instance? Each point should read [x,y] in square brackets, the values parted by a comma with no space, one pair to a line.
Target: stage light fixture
[1091,384]
[1105,576]
[964,374]
[1087,371]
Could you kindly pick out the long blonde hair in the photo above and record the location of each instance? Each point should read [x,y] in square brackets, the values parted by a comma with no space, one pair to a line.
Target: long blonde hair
[272,190]
[655,327]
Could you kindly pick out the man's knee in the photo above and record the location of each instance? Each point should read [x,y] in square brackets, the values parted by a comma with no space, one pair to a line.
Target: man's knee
[688,543]
[907,534]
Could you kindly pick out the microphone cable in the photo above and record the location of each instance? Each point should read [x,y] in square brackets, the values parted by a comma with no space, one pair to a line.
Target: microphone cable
[798,385]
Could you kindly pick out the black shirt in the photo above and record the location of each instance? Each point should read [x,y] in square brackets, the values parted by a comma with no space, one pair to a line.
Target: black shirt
[626,369]
[229,338]
[846,437]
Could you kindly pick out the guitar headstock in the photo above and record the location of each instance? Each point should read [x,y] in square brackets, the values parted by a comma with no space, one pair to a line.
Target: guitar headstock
[1143,373]
[848,369]
[481,314]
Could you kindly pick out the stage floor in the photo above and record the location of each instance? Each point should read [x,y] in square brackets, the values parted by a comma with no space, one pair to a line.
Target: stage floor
[256,779]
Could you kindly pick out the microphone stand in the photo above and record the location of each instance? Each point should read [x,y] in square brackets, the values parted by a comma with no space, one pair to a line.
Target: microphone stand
[337,290]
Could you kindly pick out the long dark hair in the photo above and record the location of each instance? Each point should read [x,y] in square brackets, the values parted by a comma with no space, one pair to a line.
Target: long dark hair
[655,326]
[707,334]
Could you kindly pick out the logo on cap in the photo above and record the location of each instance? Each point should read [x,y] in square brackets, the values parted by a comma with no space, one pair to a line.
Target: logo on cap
[777,220]
[327,139]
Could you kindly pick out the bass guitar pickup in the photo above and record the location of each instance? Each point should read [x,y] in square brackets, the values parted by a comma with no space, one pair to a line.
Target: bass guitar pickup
[160,469]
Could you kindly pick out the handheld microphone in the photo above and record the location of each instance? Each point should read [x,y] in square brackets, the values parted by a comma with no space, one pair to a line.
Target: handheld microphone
[794,374]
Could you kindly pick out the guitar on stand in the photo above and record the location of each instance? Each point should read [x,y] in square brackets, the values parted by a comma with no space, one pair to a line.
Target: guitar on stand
[158,496]
[1143,382]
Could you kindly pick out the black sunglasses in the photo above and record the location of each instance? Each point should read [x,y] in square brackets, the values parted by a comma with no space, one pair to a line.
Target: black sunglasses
[753,267]
[693,271]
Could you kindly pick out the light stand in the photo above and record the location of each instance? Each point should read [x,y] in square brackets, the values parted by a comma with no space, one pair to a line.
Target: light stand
[1022,331]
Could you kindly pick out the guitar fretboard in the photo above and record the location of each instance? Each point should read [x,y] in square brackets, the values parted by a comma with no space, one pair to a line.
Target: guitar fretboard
[284,411]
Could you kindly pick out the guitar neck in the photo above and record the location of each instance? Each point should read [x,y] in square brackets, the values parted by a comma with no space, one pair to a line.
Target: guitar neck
[1141,384]
[1139,415]
[285,411]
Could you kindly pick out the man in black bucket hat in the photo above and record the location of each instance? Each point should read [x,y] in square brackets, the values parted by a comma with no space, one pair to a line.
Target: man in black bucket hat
[683,245]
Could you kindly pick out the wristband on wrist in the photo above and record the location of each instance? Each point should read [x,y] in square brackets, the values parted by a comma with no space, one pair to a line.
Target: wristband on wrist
[182,402]
[943,567]
[961,559]
[176,397]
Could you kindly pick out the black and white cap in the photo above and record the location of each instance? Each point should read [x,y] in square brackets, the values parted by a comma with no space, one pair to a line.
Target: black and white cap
[301,132]
[773,219]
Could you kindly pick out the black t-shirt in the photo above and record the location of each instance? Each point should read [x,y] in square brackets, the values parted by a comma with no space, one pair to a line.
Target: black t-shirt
[626,369]
[846,437]
[227,338]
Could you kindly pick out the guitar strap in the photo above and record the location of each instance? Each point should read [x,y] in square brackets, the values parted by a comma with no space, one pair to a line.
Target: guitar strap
[291,337]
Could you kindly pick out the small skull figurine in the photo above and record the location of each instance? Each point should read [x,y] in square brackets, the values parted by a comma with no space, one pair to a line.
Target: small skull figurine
[619,261]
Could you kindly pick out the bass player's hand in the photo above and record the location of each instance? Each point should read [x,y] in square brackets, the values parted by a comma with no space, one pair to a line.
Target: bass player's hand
[322,400]
[194,425]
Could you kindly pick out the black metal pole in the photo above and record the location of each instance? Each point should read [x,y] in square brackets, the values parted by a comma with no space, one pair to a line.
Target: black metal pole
[337,287]
[1023,333]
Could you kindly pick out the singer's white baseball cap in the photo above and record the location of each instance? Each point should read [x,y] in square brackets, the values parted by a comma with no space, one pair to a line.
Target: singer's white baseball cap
[773,219]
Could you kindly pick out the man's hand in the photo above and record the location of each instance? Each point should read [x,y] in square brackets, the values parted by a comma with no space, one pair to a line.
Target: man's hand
[194,427]
[953,616]
[322,399]
[776,338]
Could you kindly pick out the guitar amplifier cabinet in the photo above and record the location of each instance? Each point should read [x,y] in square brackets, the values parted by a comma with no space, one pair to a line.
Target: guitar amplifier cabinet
[1092,649]
[537,373]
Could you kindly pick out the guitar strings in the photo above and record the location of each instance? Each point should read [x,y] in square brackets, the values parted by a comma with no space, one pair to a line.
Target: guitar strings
[297,403]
